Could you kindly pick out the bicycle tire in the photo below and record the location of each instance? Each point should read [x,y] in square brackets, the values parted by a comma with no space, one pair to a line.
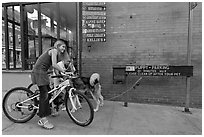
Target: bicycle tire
[7,109]
[30,85]
[82,111]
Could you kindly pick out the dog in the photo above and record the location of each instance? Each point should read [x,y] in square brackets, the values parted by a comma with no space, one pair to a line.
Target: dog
[85,84]
[93,87]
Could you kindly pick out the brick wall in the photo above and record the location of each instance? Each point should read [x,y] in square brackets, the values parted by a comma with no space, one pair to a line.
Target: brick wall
[148,33]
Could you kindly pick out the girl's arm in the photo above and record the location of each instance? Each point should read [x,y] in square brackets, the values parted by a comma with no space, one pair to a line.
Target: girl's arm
[54,60]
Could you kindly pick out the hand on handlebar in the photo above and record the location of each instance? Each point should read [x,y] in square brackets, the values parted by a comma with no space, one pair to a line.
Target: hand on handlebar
[67,73]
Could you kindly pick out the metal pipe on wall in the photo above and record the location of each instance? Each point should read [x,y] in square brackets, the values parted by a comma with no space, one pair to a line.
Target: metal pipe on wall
[58,20]
[52,27]
[22,25]
[79,35]
[39,29]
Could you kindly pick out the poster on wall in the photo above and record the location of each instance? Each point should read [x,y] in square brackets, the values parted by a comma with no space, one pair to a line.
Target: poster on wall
[94,21]
[159,70]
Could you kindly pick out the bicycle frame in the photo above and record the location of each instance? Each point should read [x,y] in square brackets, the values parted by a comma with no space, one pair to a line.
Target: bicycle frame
[59,90]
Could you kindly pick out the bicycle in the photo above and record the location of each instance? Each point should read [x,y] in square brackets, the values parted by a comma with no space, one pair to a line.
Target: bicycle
[34,87]
[23,107]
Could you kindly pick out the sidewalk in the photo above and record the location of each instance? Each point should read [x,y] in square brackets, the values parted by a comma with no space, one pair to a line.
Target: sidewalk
[115,119]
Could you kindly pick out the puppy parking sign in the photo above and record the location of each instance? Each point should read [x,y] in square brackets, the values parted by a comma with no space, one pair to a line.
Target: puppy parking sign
[130,68]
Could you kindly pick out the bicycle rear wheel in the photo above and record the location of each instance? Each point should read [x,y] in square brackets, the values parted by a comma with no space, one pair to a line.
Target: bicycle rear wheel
[83,114]
[16,111]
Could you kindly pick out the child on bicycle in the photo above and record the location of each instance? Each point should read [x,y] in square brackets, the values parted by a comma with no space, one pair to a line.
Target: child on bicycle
[40,77]
[56,81]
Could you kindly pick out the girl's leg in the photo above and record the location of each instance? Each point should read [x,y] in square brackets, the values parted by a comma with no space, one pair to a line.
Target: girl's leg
[44,107]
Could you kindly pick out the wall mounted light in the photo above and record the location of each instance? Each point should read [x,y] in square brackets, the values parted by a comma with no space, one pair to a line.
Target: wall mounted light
[89,47]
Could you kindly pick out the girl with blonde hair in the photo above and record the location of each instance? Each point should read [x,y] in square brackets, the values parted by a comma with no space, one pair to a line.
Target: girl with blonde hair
[40,77]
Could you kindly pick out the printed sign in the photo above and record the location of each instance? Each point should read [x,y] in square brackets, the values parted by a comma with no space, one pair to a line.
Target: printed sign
[94,21]
[159,70]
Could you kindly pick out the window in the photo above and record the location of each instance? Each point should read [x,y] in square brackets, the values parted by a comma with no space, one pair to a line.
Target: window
[14,55]
[18,47]
[3,47]
[17,55]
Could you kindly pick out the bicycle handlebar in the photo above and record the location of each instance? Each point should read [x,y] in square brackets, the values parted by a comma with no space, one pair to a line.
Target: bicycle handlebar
[67,74]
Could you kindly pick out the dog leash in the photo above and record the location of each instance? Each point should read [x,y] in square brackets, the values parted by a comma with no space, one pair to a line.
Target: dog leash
[132,87]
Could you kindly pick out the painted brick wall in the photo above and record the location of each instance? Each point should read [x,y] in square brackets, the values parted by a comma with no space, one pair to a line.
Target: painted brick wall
[148,33]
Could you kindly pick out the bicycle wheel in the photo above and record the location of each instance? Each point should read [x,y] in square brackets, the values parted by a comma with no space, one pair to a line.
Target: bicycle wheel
[83,113]
[16,111]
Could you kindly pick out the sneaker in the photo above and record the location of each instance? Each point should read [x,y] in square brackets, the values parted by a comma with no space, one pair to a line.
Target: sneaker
[46,124]
[54,112]
[63,108]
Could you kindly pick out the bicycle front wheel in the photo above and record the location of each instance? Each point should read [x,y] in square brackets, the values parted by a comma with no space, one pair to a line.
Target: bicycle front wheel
[79,108]
[16,108]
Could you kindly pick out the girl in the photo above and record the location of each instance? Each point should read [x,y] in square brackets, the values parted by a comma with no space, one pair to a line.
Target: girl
[40,77]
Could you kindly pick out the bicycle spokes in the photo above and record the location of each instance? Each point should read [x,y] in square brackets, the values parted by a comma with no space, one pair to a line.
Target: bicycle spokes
[17,105]
[79,108]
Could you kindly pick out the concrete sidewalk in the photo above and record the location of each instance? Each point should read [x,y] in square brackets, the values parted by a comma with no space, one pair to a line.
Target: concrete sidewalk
[115,119]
